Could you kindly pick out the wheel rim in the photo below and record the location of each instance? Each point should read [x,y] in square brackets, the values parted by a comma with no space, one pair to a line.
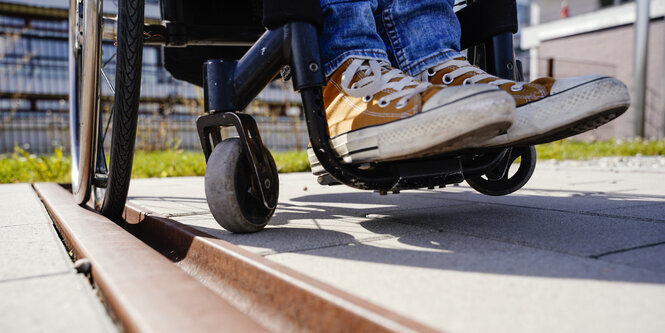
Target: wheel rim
[84,61]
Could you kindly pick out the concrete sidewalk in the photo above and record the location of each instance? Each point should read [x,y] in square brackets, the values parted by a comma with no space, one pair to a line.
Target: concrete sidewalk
[41,291]
[580,248]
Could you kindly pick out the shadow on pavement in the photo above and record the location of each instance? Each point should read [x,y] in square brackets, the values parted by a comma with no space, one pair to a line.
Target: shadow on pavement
[564,236]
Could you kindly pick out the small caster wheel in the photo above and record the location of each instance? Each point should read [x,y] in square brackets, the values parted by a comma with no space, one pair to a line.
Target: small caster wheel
[228,187]
[497,182]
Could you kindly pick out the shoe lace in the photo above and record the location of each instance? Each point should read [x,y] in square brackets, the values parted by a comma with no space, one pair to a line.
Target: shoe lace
[378,76]
[464,67]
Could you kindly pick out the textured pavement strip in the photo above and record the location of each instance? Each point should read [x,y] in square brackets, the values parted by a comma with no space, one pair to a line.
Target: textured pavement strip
[580,248]
[41,291]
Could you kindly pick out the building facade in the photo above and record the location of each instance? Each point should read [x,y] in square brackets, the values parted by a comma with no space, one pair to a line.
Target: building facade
[34,87]
[601,40]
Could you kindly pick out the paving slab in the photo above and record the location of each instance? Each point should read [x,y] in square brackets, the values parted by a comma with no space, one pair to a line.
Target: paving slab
[59,303]
[593,188]
[578,249]
[19,205]
[465,284]
[31,250]
[29,245]
[581,234]
[41,291]
[170,196]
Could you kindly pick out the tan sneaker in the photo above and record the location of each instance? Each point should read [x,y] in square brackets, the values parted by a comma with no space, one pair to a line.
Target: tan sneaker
[377,113]
[547,109]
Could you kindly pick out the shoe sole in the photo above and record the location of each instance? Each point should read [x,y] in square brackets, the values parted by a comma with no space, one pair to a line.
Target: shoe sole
[454,126]
[464,142]
[571,121]
[575,128]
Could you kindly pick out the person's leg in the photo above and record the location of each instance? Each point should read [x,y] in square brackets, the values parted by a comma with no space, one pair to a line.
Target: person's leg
[349,32]
[418,34]
[376,112]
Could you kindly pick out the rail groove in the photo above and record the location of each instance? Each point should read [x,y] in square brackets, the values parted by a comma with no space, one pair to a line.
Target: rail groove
[142,288]
[260,291]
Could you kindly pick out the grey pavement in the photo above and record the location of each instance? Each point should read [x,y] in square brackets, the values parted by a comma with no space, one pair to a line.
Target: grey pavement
[41,291]
[581,248]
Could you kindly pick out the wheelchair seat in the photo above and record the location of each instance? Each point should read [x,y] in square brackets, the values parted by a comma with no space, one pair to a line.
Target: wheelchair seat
[202,30]
[189,23]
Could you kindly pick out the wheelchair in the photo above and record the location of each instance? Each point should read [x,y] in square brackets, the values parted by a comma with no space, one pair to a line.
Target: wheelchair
[224,47]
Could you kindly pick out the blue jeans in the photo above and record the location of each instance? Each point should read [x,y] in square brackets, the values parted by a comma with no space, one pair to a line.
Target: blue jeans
[412,35]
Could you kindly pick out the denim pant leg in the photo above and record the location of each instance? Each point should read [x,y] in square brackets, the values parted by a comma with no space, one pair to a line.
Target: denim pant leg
[349,31]
[418,34]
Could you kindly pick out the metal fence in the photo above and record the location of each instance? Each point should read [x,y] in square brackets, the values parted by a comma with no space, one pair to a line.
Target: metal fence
[34,96]
[44,132]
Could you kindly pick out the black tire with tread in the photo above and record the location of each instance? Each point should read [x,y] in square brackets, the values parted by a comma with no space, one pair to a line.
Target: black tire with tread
[227,182]
[110,201]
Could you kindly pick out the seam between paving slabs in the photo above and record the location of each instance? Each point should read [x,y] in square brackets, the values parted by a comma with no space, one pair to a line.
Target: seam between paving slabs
[33,277]
[598,256]
[632,206]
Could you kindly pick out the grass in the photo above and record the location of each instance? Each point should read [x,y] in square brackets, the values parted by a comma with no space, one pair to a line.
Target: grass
[577,150]
[21,166]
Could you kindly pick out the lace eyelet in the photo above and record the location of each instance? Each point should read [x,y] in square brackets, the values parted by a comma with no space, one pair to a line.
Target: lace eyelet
[367,98]
[383,103]
[431,72]
[400,105]
[354,86]
[447,79]
[466,81]
[515,87]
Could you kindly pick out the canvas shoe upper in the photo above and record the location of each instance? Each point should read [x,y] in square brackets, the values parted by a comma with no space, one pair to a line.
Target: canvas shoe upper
[547,109]
[376,112]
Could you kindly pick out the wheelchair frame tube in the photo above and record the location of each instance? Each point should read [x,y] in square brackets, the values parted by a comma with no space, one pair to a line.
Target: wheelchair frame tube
[502,64]
[259,66]
[294,44]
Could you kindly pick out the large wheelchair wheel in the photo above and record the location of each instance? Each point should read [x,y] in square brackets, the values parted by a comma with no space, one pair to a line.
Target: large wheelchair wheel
[102,138]
[228,188]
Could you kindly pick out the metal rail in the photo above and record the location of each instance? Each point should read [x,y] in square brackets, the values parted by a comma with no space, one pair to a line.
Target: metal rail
[144,290]
[201,283]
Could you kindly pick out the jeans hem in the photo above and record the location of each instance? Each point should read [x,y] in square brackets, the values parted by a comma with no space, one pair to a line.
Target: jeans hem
[370,54]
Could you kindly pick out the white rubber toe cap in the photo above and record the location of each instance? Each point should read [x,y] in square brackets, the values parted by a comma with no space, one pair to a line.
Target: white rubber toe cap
[568,83]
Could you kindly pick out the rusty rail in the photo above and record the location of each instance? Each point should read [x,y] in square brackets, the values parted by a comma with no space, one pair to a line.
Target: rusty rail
[143,289]
[223,275]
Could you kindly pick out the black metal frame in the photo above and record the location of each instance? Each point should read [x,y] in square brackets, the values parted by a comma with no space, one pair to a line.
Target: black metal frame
[229,86]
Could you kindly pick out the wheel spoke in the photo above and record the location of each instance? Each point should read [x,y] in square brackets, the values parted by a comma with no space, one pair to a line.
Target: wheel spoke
[108,123]
[109,60]
[108,82]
